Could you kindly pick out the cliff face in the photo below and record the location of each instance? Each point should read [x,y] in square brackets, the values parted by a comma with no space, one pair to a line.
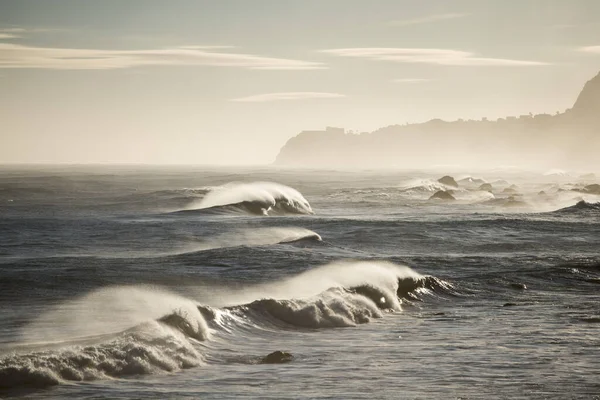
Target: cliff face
[528,140]
[588,103]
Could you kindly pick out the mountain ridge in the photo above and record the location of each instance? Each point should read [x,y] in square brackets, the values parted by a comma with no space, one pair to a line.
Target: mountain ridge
[571,137]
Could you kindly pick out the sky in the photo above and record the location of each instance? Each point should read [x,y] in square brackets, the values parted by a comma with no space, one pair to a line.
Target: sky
[230,81]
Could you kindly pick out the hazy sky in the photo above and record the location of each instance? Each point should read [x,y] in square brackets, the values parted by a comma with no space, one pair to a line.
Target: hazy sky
[228,82]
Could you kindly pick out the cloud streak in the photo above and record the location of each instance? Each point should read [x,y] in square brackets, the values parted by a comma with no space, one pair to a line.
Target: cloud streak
[410,80]
[590,49]
[11,33]
[19,56]
[428,56]
[260,98]
[428,19]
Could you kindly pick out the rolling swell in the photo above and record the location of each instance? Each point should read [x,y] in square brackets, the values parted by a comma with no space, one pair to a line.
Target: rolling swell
[244,207]
[582,207]
[251,238]
[256,198]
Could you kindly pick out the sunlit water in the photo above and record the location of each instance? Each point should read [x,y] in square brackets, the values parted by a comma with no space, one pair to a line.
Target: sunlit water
[120,283]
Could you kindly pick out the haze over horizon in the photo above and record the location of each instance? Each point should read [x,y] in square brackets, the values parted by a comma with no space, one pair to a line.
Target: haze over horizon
[201,82]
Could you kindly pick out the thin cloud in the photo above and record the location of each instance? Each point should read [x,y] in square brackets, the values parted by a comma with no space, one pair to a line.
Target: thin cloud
[429,18]
[17,33]
[195,47]
[19,56]
[427,56]
[288,96]
[563,26]
[410,80]
[589,49]
[13,30]
[11,33]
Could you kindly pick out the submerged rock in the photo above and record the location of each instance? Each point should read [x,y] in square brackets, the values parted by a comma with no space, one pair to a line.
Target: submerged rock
[442,195]
[277,357]
[518,286]
[448,181]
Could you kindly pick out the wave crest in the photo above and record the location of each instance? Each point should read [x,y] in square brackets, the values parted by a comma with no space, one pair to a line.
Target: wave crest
[410,287]
[259,198]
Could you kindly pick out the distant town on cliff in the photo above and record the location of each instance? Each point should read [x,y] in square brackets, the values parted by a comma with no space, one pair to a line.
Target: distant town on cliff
[568,139]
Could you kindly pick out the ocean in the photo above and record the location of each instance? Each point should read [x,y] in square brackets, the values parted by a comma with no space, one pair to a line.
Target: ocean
[121,282]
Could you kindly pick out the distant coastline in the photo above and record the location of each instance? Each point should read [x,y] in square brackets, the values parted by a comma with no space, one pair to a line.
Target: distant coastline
[571,138]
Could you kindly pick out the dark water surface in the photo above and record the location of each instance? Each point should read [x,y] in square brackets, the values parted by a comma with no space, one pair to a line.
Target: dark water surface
[118,282]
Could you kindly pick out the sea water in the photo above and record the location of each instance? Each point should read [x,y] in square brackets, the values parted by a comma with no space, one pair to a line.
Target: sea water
[148,282]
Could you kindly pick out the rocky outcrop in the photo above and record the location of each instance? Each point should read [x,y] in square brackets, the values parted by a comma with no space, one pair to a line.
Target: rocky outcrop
[486,187]
[587,105]
[518,286]
[277,357]
[442,195]
[448,181]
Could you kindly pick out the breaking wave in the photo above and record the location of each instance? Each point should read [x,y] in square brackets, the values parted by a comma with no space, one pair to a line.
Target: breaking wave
[154,347]
[258,198]
[338,294]
[343,307]
[333,308]
[127,331]
[109,333]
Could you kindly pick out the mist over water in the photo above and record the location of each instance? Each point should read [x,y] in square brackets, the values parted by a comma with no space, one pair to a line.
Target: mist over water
[475,284]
